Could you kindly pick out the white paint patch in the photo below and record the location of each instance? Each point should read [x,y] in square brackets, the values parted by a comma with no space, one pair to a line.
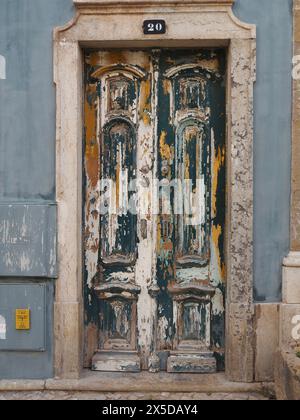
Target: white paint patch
[25,263]
[93,227]
[2,328]
[2,68]
[218,303]
[52,259]
[215,270]
[192,274]
[296,329]
[213,158]
[7,259]
[162,328]
[24,227]
[121,276]
[208,326]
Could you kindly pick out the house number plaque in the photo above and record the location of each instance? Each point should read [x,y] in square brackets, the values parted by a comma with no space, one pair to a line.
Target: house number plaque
[154,27]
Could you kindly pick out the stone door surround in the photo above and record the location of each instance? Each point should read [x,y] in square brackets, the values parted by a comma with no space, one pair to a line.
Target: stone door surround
[118,23]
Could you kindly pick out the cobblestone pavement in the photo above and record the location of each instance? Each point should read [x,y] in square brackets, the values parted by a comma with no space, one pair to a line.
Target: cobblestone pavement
[123,396]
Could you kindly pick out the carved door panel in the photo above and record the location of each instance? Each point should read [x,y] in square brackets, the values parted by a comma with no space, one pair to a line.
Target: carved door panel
[154,166]
[190,254]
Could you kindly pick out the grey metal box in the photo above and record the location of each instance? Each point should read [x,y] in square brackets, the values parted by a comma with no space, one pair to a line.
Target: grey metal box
[28,240]
[23,296]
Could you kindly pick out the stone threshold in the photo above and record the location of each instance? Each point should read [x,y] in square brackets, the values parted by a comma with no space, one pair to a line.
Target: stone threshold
[139,382]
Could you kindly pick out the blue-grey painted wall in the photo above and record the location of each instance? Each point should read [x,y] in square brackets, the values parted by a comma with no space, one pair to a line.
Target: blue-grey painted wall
[27,97]
[272,140]
[27,166]
[27,140]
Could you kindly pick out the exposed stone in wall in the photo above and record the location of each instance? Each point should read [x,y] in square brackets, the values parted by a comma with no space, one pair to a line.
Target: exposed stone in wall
[266,340]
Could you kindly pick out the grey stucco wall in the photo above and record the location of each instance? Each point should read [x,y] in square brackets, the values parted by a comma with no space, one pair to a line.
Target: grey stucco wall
[27,135]
[27,97]
[272,140]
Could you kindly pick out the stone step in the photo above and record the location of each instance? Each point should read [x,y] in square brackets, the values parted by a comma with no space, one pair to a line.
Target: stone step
[143,383]
[165,396]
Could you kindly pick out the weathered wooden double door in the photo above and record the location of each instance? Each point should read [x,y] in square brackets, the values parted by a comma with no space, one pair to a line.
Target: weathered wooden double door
[154,210]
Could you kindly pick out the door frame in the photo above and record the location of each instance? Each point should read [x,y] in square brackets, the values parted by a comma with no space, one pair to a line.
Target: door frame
[197,24]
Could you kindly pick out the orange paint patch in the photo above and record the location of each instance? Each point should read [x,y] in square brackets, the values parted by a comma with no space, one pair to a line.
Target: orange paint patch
[93,59]
[216,233]
[167,87]
[158,239]
[91,147]
[168,246]
[166,151]
[115,57]
[212,64]
[218,164]
[187,167]
[145,102]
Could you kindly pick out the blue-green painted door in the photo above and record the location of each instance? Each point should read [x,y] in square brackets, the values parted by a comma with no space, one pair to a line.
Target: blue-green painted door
[154,213]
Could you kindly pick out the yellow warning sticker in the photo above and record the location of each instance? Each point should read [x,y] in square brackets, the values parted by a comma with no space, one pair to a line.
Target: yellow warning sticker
[22,319]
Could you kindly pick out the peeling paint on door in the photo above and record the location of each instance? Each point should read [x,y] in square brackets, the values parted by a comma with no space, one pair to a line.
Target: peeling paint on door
[155,209]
